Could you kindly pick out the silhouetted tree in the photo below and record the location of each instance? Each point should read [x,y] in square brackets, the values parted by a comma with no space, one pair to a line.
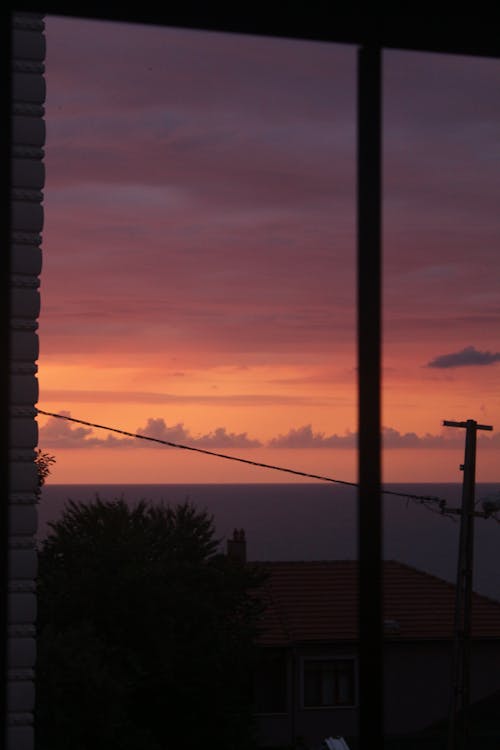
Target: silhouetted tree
[146,634]
[43,461]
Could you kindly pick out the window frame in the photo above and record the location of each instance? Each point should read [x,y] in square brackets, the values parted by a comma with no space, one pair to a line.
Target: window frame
[333,658]
[468,35]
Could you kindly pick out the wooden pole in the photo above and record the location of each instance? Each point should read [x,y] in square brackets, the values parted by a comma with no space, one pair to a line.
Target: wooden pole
[458,724]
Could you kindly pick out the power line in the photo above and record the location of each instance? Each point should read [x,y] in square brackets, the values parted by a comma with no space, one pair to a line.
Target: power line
[424,499]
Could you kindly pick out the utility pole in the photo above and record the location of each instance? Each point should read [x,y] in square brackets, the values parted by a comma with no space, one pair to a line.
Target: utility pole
[458,727]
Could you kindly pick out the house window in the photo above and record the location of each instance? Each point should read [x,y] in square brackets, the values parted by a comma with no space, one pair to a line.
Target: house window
[270,682]
[328,682]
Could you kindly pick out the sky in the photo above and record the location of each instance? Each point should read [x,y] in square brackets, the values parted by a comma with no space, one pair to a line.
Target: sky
[198,280]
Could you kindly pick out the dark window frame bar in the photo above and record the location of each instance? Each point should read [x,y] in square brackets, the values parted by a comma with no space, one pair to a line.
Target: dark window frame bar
[472,35]
[5,314]
[369,278]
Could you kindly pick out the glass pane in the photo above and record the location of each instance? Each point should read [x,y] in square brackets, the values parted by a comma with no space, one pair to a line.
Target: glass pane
[199,289]
[441,322]
[199,258]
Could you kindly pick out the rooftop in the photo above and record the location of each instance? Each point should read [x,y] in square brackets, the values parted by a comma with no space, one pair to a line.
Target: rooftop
[313,602]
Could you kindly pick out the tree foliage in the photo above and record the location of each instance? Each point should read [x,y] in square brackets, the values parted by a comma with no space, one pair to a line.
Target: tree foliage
[146,634]
[43,462]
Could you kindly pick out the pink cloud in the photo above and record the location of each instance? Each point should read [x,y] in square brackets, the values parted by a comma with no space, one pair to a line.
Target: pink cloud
[304,437]
[58,433]
[219,188]
[394,439]
[218,438]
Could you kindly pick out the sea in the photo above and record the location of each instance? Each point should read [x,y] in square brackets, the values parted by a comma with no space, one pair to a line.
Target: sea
[316,521]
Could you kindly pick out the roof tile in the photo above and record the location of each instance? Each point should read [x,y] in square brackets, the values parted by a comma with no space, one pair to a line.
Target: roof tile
[317,602]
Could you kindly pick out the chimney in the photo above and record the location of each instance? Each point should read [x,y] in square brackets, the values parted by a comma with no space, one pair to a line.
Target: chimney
[237,546]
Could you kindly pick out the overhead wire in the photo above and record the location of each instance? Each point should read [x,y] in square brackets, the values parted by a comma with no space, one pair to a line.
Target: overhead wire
[423,499]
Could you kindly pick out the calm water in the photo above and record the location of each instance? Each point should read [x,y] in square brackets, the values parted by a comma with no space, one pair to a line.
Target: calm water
[316,521]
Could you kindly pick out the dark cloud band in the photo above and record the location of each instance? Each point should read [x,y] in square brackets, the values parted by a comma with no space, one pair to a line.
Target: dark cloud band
[468,357]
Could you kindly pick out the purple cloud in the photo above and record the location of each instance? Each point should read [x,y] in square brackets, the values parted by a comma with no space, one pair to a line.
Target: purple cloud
[218,438]
[59,433]
[392,438]
[304,437]
[255,156]
[468,357]
[158,429]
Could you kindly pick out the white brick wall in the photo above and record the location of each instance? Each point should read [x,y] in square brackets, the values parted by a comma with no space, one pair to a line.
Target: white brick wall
[28,176]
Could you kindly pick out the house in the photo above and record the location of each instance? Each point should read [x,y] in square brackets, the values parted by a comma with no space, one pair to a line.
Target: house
[306,685]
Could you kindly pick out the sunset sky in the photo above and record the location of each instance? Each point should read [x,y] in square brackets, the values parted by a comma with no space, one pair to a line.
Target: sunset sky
[199,256]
